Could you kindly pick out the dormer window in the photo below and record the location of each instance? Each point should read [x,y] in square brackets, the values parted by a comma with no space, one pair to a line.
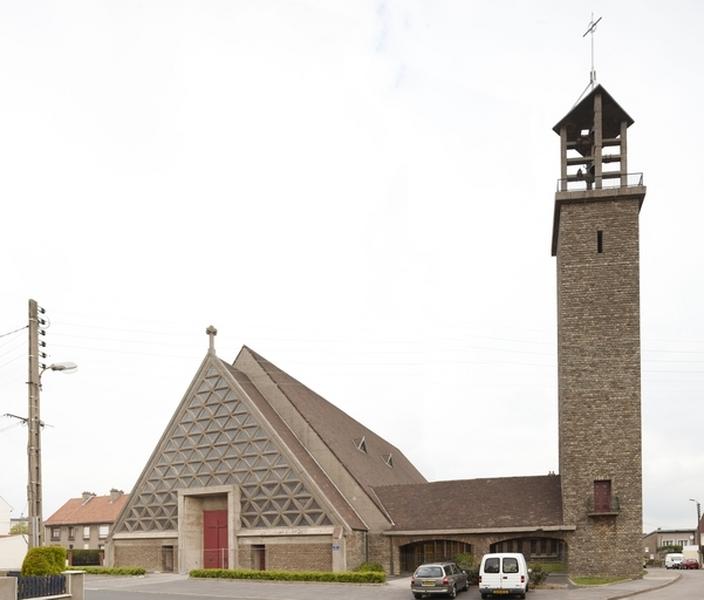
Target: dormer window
[361,444]
[389,460]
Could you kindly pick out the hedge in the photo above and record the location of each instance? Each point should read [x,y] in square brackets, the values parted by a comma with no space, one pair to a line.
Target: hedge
[341,577]
[80,558]
[113,570]
[44,560]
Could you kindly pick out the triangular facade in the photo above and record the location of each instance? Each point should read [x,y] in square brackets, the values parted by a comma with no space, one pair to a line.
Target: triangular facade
[216,439]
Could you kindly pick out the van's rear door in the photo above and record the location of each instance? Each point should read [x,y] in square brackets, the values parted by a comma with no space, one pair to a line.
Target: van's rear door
[491,577]
[511,574]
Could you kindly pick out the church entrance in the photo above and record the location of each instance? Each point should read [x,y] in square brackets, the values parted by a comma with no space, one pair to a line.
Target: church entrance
[215,548]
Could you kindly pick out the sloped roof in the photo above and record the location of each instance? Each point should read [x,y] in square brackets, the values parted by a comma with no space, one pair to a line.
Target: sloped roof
[581,115]
[312,468]
[97,509]
[474,503]
[341,433]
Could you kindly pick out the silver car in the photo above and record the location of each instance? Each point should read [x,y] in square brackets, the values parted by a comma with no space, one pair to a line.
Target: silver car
[439,578]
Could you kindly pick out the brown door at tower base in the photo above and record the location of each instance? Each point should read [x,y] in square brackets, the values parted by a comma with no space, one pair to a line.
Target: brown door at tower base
[215,548]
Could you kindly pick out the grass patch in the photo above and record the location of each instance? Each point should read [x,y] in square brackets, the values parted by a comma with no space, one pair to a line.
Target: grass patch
[549,567]
[110,570]
[342,577]
[596,580]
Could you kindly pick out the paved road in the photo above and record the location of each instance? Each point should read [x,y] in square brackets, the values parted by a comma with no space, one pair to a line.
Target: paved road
[690,586]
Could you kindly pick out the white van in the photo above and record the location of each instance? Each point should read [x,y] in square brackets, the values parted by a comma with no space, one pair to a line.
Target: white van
[673,560]
[503,573]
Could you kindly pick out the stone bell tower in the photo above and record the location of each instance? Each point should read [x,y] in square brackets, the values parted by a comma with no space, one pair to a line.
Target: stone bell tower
[595,240]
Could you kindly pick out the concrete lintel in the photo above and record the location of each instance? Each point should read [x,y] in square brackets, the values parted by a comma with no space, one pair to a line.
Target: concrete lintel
[146,535]
[281,531]
[607,193]
[482,530]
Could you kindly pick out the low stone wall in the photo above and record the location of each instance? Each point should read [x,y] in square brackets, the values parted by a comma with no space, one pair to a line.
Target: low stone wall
[299,557]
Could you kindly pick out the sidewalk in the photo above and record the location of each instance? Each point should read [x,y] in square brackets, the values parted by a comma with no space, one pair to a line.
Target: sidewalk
[653,580]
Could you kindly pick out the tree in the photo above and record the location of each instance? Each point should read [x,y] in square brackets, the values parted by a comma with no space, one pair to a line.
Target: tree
[20,527]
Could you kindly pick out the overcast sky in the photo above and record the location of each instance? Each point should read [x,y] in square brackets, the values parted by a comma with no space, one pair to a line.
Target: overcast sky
[362,192]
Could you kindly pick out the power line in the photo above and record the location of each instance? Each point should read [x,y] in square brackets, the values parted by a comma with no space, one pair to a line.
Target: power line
[14,331]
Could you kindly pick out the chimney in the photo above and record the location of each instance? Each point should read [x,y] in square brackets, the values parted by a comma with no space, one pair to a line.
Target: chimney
[87,496]
[115,494]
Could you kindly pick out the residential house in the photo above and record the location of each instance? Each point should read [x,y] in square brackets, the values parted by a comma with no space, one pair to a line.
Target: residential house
[85,522]
[657,543]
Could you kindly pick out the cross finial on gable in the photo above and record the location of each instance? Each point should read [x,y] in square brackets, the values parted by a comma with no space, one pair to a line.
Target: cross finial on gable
[212,332]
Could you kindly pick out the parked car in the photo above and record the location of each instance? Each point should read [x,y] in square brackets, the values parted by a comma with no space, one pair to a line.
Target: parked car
[503,573]
[689,563]
[673,560]
[438,578]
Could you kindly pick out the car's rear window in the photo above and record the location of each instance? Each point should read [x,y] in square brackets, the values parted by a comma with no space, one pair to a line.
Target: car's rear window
[510,565]
[491,565]
[429,572]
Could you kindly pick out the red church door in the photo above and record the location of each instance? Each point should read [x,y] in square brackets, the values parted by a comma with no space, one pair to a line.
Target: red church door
[215,539]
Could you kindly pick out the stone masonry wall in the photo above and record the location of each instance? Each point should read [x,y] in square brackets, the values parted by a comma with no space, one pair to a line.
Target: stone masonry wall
[140,553]
[599,381]
[299,557]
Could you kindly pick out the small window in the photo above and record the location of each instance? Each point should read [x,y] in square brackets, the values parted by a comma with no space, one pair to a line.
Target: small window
[361,444]
[599,241]
[103,531]
[55,534]
[389,460]
[86,532]
[71,533]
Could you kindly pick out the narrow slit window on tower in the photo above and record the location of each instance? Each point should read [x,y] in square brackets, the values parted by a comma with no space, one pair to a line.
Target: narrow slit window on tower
[599,241]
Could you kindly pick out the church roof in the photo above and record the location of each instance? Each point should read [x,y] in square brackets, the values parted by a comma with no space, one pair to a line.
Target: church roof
[581,115]
[342,434]
[494,503]
[294,445]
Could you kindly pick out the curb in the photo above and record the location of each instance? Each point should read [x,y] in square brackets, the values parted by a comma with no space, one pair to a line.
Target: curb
[652,589]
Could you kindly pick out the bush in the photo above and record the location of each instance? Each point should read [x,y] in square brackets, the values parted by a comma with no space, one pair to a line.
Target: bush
[342,577]
[113,570]
[369,566]
[537,575]
[46,560]
[80,558]
[464,560]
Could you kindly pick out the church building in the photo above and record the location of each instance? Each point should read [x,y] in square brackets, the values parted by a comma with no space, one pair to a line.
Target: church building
[255,470]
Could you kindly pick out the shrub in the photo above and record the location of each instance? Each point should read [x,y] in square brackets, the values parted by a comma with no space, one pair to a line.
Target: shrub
[342,577]
[369,566]
[113,570]
[537,575]
[85,557]
[464,560]
[46,560]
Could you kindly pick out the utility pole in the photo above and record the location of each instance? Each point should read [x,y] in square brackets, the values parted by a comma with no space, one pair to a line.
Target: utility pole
[34,450]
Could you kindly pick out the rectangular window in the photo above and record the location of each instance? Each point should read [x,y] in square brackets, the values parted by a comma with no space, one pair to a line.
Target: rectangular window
[55,534]
[602,496]
[71,533]
[86,532]
[599,241]
[103,531]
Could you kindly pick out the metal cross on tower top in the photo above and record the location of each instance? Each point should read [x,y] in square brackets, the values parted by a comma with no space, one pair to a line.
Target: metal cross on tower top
[591,30]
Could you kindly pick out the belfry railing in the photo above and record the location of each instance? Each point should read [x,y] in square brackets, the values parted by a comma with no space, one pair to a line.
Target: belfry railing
[609,180]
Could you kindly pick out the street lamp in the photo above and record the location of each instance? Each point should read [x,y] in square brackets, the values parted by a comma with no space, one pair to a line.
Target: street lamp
[697,531]
[34,456]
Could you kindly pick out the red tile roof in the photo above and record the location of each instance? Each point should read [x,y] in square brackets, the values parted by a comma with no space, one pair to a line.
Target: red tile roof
[97,509]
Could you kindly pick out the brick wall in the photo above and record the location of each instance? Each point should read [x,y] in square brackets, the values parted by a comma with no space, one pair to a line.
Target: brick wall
[140,553]
[299,557]
[599,381]
[355,545]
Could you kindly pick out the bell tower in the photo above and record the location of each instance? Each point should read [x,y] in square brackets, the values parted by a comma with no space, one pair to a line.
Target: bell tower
[595,241]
